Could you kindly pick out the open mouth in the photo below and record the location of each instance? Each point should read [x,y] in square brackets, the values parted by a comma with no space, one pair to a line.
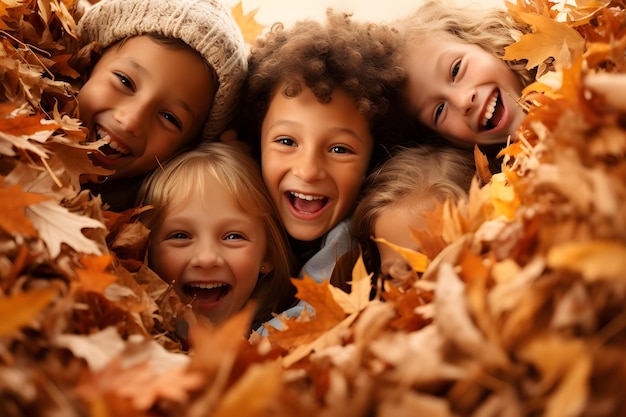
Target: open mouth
[111,149]
[494,110]
[306,203]
[206,293]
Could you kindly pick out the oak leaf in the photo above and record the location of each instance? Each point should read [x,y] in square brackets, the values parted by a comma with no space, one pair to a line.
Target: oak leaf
[57,225]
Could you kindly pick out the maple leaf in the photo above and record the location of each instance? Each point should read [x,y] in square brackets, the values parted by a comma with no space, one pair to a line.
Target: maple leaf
[360,289]
[94,277]
[549,39]
[327,314]
[13,204]
[21,309]
[250,28]
[57,225]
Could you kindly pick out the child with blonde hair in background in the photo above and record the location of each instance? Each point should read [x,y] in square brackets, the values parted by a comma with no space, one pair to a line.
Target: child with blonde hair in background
[398,196]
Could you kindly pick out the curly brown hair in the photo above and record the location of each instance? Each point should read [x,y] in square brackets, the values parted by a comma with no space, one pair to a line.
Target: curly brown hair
[357,57]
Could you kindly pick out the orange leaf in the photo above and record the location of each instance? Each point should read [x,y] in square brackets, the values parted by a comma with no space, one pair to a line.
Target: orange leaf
[250,28]
[13,203]
[22,308]
[327,314]
[94,277]
[549,39]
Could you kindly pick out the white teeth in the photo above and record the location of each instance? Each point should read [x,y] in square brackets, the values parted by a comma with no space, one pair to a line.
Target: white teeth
[306,197]
[491,107]
[207,286]
[103,135]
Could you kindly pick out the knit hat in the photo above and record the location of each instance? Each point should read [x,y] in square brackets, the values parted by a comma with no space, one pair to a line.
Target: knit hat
[204,25]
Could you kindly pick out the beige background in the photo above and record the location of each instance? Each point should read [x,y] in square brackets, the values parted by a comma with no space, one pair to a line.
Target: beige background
[287,11]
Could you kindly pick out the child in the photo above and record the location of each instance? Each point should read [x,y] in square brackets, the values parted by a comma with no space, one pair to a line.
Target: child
[457,83]
[399,194]
[170,74]
[318,95]
[215,234]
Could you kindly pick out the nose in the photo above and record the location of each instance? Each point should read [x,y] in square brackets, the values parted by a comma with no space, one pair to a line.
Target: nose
[132,116]
[463,100]
[206,255]
[309,165]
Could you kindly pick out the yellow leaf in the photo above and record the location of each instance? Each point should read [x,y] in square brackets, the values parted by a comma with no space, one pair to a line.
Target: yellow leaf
[250,28]
[22,308]
[361,286]
[593,260]
[503,197]
[417,260]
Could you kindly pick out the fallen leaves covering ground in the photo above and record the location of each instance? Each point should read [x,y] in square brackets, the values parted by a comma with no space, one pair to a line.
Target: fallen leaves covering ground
[516,308]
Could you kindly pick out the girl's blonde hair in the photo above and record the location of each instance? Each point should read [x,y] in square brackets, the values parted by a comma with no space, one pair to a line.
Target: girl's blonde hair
[428,173]
[186,175]
[492,29]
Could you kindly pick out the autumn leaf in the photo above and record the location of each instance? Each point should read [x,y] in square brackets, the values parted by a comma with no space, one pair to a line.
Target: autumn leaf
[594,260]
[549,39]
[13,204]
[418,261]
[250,28]
[22,308]
[361,287]
[94,277]
[57,225]
[327,314]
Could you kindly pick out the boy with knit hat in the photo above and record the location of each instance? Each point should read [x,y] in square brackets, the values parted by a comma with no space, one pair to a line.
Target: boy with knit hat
[170,75]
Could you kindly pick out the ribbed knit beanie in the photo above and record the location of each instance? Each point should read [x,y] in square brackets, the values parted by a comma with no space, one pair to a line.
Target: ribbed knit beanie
[204,25]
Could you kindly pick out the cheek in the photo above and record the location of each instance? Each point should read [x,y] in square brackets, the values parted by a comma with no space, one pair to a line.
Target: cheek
[163,262]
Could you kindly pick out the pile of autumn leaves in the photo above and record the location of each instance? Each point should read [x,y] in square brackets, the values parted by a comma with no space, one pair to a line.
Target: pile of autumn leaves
[520,311]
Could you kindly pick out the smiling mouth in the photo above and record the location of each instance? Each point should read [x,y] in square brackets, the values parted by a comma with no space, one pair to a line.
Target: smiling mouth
[306,203]
[110,149]
[494,110]
[206,293]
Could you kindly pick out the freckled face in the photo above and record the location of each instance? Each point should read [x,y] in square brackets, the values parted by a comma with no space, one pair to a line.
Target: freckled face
[314,159]
[462,91]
